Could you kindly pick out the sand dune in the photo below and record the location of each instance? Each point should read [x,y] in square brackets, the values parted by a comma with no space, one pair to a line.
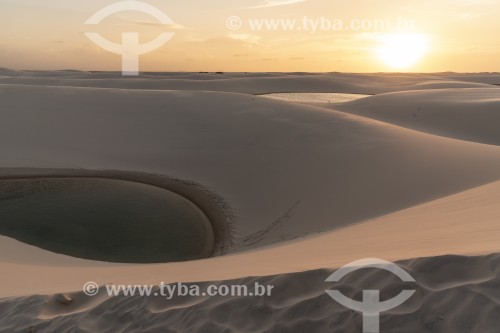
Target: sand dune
[268,159]
[311,189]
[435,228]
[459,297]
[465,114]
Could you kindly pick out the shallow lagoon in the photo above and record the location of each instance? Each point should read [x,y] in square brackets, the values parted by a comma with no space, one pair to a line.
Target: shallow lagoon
[324,98]
[104,219]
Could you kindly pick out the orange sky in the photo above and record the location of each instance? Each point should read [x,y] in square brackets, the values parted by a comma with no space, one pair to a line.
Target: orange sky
[460,35]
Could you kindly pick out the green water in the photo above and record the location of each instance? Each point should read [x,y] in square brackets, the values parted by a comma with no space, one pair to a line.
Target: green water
[104,219]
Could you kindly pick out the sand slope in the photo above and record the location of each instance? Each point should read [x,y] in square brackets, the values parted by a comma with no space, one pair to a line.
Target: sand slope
[436,228]
[397,186]
[271,161]
[453,294]
[465,114]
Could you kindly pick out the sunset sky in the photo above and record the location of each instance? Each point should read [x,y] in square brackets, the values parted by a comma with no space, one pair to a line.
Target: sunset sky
[448,35]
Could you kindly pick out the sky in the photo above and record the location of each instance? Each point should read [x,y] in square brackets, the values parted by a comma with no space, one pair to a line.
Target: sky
[224,35]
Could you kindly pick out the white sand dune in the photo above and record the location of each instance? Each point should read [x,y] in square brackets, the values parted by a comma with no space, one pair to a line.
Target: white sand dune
[435,228]
[267,158]
[465,114]
[298,303]
[396,187]
[453,294]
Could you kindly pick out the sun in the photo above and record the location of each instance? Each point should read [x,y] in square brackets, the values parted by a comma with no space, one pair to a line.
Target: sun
[402,50]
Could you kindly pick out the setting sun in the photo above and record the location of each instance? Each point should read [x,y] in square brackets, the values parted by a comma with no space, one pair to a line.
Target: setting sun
[402,50]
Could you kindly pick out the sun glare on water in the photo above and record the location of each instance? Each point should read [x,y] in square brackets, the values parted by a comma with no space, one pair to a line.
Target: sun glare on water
[402,50]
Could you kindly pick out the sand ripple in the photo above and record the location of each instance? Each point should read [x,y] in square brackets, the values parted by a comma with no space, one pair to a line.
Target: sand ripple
[454,294]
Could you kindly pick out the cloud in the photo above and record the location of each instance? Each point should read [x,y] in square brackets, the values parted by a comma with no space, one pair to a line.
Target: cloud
[173,26]
[247,38]
[457,10]
[475,2]
[276,3]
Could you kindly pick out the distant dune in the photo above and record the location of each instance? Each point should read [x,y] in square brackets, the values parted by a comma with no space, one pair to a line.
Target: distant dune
[256,83]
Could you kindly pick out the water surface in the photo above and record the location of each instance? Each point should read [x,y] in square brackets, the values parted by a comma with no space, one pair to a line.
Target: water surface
[332,98]
[104,219]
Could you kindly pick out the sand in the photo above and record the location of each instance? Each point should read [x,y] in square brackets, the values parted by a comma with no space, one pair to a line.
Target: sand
[453,294]
[436,228]
[309,188]
[475,112]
